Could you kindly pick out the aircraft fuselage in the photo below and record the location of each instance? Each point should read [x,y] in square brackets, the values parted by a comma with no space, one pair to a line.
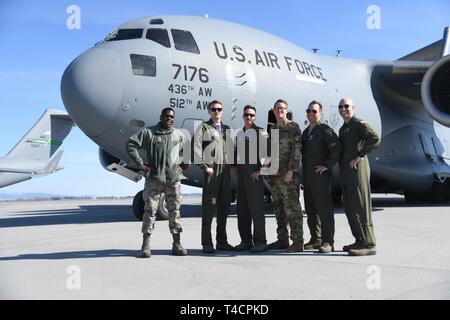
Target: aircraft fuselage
[118,86]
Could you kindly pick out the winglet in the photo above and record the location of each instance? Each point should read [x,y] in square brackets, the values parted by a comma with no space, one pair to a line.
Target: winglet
[446,42]
[52,165]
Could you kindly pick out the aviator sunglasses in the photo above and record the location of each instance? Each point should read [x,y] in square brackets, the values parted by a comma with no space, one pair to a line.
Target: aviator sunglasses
[311,110]
[249,115]
[216,109]
[346,106]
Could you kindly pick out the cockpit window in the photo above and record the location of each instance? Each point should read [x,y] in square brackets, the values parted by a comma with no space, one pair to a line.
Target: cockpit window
[184,41]
[125,34]
[160,36]
[143,65]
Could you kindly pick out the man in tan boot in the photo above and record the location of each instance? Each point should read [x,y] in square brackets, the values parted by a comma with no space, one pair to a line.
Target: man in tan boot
[163,145]
[286,184]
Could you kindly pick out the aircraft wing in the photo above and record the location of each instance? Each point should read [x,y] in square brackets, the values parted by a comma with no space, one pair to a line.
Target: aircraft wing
[51,167]
[421,78]
[37,154]
[12,170]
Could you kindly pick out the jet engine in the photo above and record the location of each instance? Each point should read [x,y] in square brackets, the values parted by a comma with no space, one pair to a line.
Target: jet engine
[435,91]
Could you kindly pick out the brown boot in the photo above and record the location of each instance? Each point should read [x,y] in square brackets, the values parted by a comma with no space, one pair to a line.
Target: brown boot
[177,249]
[296,246]
[366,251]
[145,250]
[326,248]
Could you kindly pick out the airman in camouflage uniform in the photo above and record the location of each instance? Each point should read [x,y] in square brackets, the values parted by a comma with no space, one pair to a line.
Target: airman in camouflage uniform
[357,140]
[286,184]
[162,144]
[320,152]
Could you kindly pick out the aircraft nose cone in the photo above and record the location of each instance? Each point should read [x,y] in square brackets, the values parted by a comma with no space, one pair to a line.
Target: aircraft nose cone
[91,90]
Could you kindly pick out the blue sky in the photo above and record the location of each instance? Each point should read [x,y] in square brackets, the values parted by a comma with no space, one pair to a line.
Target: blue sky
[36,46]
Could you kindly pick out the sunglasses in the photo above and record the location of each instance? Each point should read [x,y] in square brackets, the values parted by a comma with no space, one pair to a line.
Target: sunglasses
[216,109]
[311,110]
[249,115]
[346,106]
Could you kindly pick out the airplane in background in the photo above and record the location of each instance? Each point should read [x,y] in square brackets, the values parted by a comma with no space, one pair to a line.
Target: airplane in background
[119,86]
[32,156]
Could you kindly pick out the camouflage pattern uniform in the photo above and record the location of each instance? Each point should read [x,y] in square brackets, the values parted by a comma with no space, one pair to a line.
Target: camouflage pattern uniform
[320,146]
[286,203]
[357,139]
[162,149]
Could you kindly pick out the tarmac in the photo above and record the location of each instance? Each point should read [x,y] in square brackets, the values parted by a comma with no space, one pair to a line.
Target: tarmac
[86,249]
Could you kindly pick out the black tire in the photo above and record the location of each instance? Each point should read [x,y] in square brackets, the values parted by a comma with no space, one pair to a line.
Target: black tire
[138,206]
[411,198]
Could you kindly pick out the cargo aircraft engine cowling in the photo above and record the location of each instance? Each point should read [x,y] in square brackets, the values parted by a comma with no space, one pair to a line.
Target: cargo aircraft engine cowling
[435,91]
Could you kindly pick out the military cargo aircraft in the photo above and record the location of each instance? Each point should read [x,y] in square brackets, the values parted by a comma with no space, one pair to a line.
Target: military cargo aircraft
[120,85]
[32,156]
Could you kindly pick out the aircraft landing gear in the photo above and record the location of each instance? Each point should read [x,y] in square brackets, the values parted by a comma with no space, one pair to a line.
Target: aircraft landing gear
[138,207]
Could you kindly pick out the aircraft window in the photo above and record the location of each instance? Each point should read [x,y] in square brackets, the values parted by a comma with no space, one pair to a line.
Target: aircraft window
[160,36]
[143,65]
[184,41]
[157,21]
[125,34]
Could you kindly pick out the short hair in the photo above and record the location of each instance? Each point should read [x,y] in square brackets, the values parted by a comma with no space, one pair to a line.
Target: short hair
[316,102]
[214,102]
[167,109]
[280,101]
[249,107]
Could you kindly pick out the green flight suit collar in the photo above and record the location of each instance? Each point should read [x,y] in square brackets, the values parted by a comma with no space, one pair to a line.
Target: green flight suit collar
[254,126]
[308,131]
[210,122]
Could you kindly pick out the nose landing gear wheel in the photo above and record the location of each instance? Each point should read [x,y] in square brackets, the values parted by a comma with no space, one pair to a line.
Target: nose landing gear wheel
[139,204]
